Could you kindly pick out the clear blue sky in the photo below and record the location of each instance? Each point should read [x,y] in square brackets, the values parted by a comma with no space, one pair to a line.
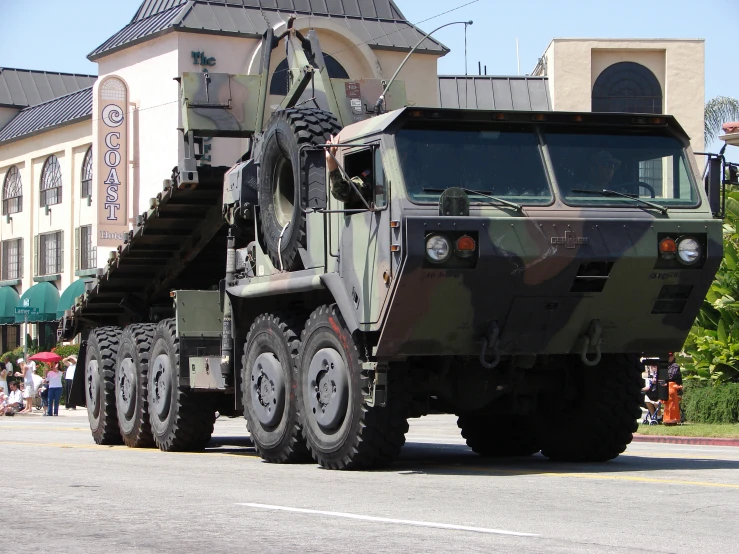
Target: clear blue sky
[58,34]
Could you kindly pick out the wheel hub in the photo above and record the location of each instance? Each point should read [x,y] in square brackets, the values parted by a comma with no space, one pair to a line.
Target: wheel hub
[267,389]
[92,388]
[161,384]
[328,382]
[127,389]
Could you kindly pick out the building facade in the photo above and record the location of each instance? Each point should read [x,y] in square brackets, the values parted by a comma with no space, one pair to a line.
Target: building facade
[659,76]
[81,156]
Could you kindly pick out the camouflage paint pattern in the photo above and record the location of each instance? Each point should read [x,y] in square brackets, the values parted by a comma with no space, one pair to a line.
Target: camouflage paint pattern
[525,273]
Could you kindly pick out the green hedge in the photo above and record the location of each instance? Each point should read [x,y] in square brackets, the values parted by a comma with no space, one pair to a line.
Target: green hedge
[706,403]
[65,350]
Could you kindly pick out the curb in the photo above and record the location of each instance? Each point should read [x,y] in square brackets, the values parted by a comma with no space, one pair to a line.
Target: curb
[702,441]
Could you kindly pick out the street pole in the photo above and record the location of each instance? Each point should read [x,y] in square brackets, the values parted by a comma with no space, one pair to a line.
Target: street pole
[25,339]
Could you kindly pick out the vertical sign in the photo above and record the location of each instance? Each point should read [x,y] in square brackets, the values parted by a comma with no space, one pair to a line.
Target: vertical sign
[112,161]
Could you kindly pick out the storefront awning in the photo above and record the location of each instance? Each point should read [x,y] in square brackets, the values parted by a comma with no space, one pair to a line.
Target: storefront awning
[43,296]
[8,301]
[66,300]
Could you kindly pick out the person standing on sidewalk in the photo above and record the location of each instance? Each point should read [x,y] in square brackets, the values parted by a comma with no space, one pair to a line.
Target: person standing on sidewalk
[71,363]
[4,377]
[54,377]
[26,371]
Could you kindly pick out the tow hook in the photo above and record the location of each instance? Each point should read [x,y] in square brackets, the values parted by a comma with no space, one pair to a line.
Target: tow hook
[591,339]
[490,346]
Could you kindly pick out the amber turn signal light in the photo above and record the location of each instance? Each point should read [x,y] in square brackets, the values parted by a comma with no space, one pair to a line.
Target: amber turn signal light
[667,248]
[465,246]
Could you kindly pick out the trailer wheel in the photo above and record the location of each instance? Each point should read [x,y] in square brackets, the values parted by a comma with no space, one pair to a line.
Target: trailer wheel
[342,431]
[102,350]
[599,424]
[180,419]
[280,179]
[131,385]
[268,389]
[493,435]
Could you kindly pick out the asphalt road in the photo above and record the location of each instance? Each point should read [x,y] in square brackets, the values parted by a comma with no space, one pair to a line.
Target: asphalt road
[63,493]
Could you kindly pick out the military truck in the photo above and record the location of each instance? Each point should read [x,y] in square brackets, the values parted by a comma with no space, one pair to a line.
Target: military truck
[508,267]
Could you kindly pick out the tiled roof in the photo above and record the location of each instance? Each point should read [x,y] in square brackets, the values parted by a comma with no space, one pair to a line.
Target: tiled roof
[42,117]
[378,23]
[383,9]
[21,88]
[491,92]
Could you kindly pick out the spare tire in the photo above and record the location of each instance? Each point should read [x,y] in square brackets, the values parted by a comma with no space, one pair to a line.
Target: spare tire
[280,189]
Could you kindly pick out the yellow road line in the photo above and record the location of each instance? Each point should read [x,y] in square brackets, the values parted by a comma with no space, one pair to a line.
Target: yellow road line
[34,428]
[597,476]
[491,471]
[127,449]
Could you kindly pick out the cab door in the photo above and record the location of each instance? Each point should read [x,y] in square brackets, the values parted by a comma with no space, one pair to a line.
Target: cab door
[364,255]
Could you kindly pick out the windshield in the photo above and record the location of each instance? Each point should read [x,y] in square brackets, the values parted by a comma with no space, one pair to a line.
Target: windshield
[650,167]
[503,161]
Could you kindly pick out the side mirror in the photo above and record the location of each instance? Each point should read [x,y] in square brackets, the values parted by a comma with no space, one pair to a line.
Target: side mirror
[714,182]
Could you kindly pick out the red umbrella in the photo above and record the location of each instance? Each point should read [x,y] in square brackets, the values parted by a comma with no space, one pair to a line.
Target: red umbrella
[47,357]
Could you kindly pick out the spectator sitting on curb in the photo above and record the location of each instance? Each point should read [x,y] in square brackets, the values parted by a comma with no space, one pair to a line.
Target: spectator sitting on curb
[14,403]
[3,399]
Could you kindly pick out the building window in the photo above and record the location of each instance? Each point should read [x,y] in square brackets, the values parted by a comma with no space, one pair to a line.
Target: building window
[51,182]
[50,253]
[85,252]
[10,335]
[12,192]
[12,259]
[279,85]
[87,174]
[627,87]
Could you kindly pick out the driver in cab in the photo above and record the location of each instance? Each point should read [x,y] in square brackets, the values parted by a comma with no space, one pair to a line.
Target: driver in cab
[601,168]
[341,188]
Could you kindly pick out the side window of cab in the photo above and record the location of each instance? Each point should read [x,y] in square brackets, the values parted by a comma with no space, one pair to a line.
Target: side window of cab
[367,164]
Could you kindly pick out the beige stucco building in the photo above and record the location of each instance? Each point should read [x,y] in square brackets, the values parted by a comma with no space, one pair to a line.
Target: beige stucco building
[636,75]
[58,143]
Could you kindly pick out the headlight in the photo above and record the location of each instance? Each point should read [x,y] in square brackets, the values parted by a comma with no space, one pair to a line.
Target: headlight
[688,250]
[438,249]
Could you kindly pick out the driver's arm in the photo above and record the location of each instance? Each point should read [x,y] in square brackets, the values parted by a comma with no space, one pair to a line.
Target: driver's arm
[341,189]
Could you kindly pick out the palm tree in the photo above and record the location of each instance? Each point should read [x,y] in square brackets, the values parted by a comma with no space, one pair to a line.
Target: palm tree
[718,111]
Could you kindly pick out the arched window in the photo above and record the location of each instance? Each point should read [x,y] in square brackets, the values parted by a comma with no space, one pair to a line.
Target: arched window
[12,192]
[627,87]
[279,87]
[87,174]
[51,182]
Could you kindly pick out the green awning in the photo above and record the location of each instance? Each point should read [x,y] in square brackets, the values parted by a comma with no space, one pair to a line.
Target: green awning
[8,301]
[43,296]
[66,300]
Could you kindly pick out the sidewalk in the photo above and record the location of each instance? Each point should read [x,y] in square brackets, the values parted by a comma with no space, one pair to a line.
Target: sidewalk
[702,441]
[63,412]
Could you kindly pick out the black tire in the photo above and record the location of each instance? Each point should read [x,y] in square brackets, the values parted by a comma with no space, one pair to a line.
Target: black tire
[599,424]
[268,365]
[280,179]
[493,435]
[132,385]
[181,420]
[352,434]
[102,351]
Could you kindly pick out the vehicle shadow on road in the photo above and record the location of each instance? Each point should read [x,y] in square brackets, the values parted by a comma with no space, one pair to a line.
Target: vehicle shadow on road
[238,446]
[455,459]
